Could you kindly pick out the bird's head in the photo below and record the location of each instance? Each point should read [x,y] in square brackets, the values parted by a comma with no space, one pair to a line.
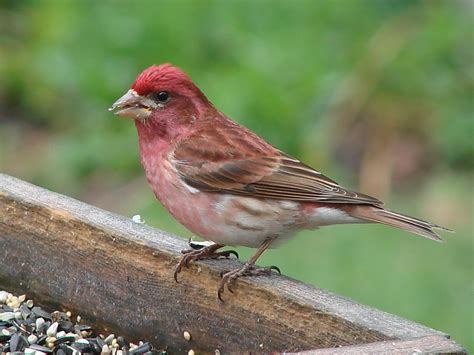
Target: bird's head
[162,93]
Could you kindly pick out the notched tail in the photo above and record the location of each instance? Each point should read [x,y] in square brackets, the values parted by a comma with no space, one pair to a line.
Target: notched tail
[394,219]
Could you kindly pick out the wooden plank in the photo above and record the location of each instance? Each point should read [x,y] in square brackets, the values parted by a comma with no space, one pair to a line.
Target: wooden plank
[119,274]
[431,344]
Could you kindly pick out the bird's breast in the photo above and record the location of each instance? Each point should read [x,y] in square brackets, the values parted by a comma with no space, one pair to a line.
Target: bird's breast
[220,217]
[231,219]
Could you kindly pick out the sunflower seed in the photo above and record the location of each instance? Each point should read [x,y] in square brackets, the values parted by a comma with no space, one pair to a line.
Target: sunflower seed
[6,316]
[32,339]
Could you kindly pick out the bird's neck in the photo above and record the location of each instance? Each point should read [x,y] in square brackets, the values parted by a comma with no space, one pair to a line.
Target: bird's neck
[157,133]
[155,142]
[155,137]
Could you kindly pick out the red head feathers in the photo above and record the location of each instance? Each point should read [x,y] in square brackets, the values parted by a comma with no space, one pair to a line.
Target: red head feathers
[166,77]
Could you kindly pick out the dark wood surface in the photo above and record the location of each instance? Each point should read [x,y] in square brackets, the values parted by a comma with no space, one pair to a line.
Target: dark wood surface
[118,274]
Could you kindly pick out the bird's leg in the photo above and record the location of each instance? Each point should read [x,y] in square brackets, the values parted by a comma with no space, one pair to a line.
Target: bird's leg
[248,269]
[207,252]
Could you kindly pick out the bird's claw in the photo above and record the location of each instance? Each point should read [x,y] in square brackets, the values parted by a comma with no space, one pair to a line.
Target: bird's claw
[276,268]
[204,252]
[227,253]
[187,257]
[228,277]
[177,270]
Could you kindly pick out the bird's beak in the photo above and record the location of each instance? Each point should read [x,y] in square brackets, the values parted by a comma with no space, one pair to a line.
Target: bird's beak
[133,106]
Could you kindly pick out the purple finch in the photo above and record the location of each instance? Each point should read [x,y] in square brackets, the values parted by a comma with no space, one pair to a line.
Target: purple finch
[228,185]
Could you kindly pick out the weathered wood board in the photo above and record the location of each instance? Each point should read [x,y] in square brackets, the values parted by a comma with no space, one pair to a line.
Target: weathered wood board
[119,274]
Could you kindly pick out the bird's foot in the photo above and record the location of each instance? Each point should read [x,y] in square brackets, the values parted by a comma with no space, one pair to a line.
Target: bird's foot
[207,252]
[248,269]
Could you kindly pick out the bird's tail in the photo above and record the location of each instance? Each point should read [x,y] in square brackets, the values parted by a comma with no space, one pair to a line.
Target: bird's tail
[394,219]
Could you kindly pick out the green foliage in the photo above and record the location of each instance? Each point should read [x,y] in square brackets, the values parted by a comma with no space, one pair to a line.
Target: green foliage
[276,67]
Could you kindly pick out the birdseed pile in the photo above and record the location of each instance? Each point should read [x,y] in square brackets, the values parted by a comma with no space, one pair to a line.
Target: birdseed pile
[28,329]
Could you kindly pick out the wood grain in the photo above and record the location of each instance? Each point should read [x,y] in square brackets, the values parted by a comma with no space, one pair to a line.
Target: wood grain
[118,274]
[431,344]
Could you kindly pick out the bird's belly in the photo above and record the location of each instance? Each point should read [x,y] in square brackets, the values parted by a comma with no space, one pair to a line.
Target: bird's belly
[248,221]
[234,220]
[223,218]
[238,220]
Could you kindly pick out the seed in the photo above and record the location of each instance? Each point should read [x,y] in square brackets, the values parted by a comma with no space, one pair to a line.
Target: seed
[3,296]
[13,302]
[121,341]
[64,339]
[72,335]
[187,335]
[25,311]
[39,323]
[40,313]
[66,325]
[32,339]
[109,338]
[15,305]
[50,339]
[191,352]
[6,316]
[17,342]
[141,349]
[61,334]
[13,299]
[40,332]
[53,329]
[138,219]
[40,349]
[100,342]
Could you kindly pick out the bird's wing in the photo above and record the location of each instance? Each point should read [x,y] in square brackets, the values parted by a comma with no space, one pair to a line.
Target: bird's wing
[219,164]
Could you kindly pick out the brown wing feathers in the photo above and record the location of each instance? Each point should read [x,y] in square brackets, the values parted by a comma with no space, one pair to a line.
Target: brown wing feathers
[227,162]
[236,166]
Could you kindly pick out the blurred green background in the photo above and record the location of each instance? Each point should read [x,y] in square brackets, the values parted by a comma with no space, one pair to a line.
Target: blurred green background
[376,94]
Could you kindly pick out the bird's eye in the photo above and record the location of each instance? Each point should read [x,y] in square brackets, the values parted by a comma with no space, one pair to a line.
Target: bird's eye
[162,97]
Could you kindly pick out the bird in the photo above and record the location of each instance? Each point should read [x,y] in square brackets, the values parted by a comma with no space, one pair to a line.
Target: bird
[228,185]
